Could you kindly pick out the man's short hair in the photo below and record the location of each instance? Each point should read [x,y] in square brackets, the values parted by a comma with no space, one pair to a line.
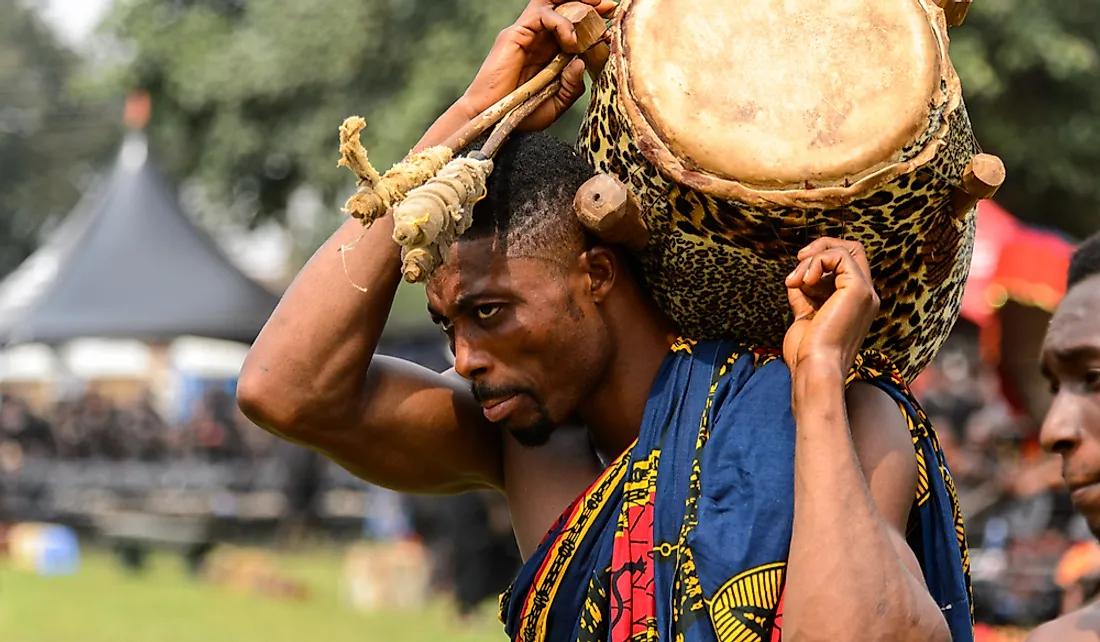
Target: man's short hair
[1085,263]
[529,204]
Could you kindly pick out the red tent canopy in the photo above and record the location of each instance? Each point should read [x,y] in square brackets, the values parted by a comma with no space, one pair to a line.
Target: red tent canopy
[1017,278]
[1013,262]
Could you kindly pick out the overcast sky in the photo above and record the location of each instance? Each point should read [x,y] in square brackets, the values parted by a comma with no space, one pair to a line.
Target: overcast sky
[73,19]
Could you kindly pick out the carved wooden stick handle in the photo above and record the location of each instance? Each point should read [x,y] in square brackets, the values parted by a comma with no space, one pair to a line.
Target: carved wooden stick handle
[607,209]
[983,177]
[591,29]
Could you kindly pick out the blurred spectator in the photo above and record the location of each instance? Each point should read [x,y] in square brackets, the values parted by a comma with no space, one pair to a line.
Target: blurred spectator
[91,427]
[22,430]
[215,436]
[471,541]
[146,432]
[1011,493]
[302,487]
[1078,575]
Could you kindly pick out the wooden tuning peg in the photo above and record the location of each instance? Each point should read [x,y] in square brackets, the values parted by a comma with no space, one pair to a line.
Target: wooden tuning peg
[983,177]
[607,208]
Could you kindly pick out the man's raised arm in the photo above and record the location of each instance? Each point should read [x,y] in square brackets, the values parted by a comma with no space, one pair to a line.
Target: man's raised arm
[852,575]
[312,376]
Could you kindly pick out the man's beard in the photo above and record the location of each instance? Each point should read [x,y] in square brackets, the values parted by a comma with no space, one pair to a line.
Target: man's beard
[536,435]
[533,436]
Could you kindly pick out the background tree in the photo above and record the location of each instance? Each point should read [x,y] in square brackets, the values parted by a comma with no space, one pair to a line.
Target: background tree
[51,138]
[1031,77]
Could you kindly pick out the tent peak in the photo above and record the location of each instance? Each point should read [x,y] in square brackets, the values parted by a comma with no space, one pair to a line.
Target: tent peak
[134,265]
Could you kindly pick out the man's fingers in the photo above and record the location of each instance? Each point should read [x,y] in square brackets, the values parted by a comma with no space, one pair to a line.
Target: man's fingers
[794,279]
[820,290]
[572,88]
[837,269]
[828,243]
[851,248]
[801,307]
[537,22]
[540,19]
[594,3]
[607,8]
[572,84]
[559,25]
[817,269]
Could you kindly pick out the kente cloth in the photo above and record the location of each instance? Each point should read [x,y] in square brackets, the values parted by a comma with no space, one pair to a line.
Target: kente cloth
[685,537]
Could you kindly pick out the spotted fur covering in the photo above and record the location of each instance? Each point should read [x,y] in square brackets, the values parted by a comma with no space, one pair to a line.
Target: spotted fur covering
[717,267]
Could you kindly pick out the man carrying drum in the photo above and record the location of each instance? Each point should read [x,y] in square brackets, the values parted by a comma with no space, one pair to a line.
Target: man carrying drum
[718,491]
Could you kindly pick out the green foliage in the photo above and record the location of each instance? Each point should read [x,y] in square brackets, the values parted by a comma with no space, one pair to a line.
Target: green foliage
[50,139]
[248,97]
[1031,77]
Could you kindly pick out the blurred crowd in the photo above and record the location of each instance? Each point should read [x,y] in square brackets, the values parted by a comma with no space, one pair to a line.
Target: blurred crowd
[91,427]
[468,537]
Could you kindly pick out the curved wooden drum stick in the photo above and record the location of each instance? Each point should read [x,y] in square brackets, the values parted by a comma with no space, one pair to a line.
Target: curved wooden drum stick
[607,209]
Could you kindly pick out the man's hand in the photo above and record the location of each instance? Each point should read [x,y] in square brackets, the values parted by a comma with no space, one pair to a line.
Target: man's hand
[834,303]
[524,49]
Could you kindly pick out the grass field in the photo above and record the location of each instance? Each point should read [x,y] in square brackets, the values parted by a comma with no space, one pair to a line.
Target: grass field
[103,604]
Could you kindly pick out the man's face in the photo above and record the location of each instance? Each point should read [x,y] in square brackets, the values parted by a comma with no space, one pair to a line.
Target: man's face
[1071,361]
[524,331]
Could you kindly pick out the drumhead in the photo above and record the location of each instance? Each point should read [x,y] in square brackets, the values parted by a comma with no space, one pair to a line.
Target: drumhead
[780,94]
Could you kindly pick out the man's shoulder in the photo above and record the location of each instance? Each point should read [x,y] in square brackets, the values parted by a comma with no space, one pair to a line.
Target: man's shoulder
[1079,626]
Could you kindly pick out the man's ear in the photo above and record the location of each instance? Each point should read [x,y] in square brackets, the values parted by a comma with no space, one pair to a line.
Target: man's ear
[602,267]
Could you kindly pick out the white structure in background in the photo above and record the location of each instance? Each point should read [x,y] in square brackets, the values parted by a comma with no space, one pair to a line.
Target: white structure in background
[43,375]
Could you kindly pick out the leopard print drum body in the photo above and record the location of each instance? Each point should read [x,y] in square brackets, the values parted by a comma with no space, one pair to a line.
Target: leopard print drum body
[720,248]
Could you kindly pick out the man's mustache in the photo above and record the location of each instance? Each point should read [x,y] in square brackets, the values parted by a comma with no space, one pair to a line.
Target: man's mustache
[483,391]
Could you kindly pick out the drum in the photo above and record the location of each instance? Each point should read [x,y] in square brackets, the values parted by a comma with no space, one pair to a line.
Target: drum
[747,128]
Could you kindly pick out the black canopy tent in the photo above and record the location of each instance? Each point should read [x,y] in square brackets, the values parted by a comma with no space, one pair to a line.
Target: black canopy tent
[131,264]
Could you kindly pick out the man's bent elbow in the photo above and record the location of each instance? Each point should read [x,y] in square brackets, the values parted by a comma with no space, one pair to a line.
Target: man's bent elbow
[268,407]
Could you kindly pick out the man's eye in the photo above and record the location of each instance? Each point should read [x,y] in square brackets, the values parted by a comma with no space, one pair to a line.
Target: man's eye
[1092,379]
[486,312]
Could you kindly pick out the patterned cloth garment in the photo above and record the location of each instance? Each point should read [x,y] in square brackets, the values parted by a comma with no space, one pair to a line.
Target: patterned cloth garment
[686,536]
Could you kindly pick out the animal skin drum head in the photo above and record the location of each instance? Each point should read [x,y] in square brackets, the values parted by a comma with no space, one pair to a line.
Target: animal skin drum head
[823,91]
